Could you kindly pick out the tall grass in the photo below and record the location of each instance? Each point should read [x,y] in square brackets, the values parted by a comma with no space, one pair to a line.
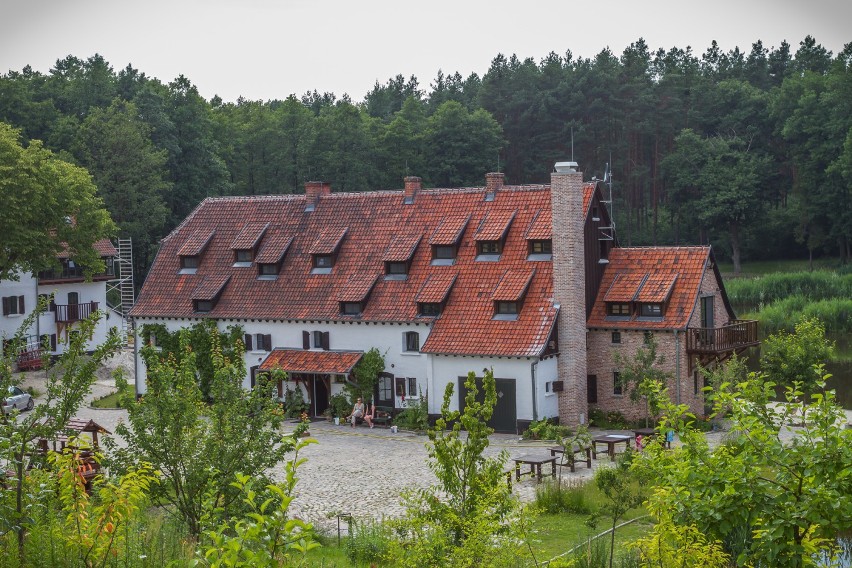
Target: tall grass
[748,295]
[568,497]
[784,314]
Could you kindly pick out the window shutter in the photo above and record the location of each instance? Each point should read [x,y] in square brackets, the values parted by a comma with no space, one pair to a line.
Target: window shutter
[267,342]
[247,340]
[21,309]
[306,340]
[5,305]
[53,342]
[52,304]
[325,340]
[253,372]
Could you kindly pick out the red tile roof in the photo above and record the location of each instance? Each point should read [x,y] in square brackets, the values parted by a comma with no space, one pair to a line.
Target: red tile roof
[210,287]
[304,361]
[275,245]
[513,285]
[673,272]
[540,228]
[328,241]
[494,226]
[401,248]
[249,236]
[103,246]
[196,242]
[357,288]
[435,288]
[450,230]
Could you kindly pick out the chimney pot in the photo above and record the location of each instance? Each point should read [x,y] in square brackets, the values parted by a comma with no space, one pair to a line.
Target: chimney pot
[494,181]
[412,186]
[565,167]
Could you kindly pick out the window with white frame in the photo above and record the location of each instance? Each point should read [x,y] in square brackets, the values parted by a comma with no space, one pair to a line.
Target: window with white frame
[411,342]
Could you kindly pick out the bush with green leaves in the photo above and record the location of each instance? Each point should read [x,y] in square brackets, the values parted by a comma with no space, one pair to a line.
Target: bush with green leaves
[470,518]
[786,358]
[415,415]
[294,402]
[546,429]
[340,405]
[371,543]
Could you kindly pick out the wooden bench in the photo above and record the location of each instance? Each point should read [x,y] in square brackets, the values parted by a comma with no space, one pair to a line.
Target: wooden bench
[382,415]
[571,458]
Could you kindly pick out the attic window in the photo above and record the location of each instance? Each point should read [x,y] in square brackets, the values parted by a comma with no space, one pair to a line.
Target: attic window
[188,264]
[443,255]
[506,310]
[651,310]
[243,257]
[396,270]
[268,271]
[351,308]
[429,309]
[618,309]
[540,249]
[490,247]
[203,305]
[322,264]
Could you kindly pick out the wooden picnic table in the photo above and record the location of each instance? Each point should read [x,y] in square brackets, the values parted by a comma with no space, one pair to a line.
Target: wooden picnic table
[572,456]
[535,462]
[610,440]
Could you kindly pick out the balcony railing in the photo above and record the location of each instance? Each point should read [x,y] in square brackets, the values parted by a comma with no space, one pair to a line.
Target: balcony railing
[735,336]
[75,273]
[69,313]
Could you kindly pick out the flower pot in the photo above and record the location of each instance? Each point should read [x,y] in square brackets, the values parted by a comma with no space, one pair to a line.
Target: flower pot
[337,420]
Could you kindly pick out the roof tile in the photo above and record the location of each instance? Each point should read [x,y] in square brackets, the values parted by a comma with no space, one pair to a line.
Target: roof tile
[304,361]
[196,242]
[249,236]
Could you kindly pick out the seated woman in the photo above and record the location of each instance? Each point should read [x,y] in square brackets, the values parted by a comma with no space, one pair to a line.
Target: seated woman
[359,411]
[369,415]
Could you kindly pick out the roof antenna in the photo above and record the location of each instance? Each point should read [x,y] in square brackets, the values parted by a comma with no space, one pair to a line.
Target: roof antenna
[572,142]
[498,162]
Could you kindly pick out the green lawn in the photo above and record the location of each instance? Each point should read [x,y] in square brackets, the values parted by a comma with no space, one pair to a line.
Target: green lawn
[109,401]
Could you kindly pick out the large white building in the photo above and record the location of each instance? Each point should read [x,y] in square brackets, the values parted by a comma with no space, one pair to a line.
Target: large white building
[442,282]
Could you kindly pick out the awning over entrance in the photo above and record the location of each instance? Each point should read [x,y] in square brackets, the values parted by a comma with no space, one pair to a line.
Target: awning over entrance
[305,361]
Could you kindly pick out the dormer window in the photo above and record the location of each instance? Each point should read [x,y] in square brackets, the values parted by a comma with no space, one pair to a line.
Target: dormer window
[268,271]
[490,247]
[506,310]
[208,292]
[443,255]
[396,270]
[188,264]
[541,249]
[651,310]
[445,240]
[322,264]
[429,309]
[491,235]
[203,305]
[243,257]
[351,308]
[618,309]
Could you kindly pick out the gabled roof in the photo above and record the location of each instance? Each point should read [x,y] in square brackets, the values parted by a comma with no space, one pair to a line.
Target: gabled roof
[104,248]
[304,361]
[652,275]
[374,223]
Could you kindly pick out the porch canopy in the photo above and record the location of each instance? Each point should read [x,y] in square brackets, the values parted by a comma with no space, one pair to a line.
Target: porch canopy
[308,361]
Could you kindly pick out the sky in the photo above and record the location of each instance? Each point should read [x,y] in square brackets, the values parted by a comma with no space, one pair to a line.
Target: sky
[268,49]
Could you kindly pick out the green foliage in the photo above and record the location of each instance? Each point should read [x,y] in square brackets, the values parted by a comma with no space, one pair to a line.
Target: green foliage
[790,358]
[415,415]
[49,205]
[574,497]
[340,405]
[265,535]
[371,543]
[774,495]
[607,420]
[783,315]
[750,294]
[546,429]
[294,402]
[641,373]
[198,446]
[622,494]
[199,336]
[367,373]
[470,518]
[68,382]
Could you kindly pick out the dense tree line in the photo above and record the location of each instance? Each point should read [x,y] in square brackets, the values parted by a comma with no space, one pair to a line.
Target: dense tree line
[751,151]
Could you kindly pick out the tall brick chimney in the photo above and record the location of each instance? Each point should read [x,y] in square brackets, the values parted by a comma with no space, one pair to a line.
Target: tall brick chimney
[313,191]
[412,186]
[493,183]
[569,290]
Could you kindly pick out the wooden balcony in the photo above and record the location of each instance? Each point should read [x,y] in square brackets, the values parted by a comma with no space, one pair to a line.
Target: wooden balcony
[69,313]
[719,343]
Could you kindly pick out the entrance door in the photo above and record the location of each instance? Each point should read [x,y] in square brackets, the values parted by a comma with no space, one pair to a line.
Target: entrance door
[320,398]
[504,418]
[73,306]
[707,320]
[384,390]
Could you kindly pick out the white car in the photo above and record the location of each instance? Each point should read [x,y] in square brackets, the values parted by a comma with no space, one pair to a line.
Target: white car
[17,398]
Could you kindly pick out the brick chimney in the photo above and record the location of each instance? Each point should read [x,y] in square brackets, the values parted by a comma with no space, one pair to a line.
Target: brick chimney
[313,191]
[412,186]
[569,290]
[493,183]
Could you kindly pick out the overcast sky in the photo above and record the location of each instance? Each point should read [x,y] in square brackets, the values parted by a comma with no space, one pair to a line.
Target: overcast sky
[266,49]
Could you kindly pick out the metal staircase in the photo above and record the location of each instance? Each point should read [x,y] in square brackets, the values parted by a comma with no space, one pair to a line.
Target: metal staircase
[123,285]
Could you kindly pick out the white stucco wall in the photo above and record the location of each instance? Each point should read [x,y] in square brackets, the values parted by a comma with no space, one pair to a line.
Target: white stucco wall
[26,287]
[88,292]
[547,403]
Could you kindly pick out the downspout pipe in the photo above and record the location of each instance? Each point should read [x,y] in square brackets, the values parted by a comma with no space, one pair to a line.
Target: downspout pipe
[677,366]
[533,368]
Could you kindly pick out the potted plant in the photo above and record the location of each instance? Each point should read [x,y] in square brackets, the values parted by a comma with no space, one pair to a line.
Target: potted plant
[339,406]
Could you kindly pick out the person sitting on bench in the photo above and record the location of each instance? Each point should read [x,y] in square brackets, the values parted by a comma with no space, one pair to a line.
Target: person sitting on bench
[358,411]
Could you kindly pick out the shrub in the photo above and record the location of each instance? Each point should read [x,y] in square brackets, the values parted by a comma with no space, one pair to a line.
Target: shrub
[573,497]
[339,405]
[415,416]
[371,542]
[546,429]
[612,420]
[294,403]
[750,294]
